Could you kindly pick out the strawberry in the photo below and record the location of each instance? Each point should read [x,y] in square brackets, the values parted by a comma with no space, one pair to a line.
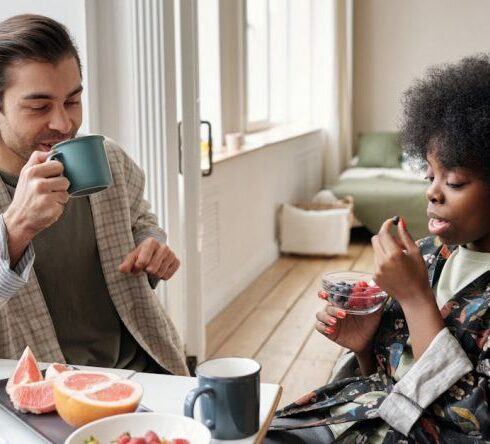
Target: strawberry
[152,438]
[124,438]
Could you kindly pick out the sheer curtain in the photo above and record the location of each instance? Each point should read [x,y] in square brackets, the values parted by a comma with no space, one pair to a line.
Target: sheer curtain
[332,80]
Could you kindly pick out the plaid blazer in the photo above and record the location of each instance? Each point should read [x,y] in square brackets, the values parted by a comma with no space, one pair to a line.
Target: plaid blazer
[122,220]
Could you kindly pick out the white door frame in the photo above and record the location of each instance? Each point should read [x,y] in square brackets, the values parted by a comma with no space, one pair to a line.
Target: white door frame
[188,72]
[154,39]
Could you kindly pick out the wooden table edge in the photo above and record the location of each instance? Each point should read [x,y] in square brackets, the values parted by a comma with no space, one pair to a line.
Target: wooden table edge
[265,426]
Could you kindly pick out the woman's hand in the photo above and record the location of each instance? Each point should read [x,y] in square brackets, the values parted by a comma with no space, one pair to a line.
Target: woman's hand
[351,331]
[399,267]
[402,273]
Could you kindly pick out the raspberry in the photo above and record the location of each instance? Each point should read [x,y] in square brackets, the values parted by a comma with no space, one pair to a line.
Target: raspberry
[355,302]
[361,284]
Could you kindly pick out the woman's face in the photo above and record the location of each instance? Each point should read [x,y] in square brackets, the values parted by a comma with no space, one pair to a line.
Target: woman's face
[459,206]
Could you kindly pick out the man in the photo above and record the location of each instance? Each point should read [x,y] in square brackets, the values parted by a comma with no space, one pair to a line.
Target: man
[76,275]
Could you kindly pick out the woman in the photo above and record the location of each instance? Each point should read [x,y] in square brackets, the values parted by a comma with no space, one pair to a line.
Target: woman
[424,361]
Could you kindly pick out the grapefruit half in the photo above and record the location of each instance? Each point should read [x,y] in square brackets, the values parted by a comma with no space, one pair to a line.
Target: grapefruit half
[83,396]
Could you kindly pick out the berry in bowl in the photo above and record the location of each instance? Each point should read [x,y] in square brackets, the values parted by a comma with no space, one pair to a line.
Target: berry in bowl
[353,291]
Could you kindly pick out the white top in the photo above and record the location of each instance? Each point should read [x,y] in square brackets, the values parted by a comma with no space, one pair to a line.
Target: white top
[460,269]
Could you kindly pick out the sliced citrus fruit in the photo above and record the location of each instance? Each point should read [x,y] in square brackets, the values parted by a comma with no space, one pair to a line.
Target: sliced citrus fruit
[55,369]
[35,397]
[26,371]
[83,396]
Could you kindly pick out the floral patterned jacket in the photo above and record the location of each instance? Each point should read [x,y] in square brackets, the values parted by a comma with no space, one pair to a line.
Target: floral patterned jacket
[459,415]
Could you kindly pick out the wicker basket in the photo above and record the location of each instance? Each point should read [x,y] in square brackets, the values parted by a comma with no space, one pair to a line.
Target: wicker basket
[346,202]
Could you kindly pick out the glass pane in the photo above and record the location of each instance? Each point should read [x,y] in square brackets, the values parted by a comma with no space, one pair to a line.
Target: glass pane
[279,43]
[257,61]
[300,61]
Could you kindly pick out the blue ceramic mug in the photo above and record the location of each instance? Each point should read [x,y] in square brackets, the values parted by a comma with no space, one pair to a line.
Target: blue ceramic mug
[85,164]
[229,389]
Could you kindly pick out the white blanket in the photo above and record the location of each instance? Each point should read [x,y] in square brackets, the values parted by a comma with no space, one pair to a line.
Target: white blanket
[393,173]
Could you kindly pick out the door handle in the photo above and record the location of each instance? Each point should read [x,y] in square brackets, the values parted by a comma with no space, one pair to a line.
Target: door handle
[209,171]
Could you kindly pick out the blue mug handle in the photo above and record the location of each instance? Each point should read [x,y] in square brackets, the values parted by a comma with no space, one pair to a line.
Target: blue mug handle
[56,156]
[190,401]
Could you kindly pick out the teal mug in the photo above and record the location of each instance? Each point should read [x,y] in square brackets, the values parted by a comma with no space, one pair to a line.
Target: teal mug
[85,164]
[229,391]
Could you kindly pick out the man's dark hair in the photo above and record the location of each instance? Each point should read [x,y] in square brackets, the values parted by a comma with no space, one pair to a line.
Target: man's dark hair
[450,109]
[32,37]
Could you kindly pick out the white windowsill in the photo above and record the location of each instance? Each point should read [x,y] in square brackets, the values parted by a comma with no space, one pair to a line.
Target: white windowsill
[261,139]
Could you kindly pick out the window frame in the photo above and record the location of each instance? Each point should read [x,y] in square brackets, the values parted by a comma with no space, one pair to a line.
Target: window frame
[264,124]
[230,115]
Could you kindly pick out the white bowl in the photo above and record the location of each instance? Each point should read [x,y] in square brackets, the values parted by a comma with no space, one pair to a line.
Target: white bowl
[164,425]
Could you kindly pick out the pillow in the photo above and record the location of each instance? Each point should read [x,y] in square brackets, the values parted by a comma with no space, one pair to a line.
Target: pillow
[380,149]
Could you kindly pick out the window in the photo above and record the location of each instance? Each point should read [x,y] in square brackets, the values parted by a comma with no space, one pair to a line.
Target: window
[255,64]
[278,62]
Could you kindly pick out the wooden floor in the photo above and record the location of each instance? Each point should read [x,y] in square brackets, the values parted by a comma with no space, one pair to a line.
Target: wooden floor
[273,319]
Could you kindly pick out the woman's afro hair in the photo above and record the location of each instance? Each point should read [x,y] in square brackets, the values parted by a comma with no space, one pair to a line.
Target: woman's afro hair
[450,110]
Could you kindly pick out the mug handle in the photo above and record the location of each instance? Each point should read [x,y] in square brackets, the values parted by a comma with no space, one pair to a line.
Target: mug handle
[55,156]
[190,401]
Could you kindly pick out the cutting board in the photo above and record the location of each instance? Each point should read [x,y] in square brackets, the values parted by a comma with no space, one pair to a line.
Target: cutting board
[48,426]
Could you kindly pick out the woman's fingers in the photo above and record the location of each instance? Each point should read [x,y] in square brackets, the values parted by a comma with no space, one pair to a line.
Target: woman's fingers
[379,253]
[389,243]
[405,237]
[324,329]
[328,318]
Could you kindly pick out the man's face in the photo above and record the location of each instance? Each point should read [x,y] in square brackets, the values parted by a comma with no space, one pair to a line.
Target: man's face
[41,107]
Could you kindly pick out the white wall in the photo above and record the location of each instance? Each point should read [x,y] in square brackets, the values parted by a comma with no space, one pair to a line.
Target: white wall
[396,40]
[239,212]
[72,14]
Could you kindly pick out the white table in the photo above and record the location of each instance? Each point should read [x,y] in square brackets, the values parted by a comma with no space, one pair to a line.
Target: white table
[162,393]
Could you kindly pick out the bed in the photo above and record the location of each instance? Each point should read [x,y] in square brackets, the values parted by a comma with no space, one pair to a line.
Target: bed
[381,193]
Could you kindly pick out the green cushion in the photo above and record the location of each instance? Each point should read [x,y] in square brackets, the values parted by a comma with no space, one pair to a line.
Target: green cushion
[380,149]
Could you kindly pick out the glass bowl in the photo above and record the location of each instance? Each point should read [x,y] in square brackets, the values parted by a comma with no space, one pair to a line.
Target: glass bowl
[353,291]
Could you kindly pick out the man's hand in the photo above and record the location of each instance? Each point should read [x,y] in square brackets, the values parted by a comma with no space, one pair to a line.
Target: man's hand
[38,202]
[153,257]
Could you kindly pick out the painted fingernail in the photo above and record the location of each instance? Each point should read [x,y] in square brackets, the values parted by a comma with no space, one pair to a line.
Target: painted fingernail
[395,220]
[332,321]
[341,314]
[329,330]
[322,295]
[403,223]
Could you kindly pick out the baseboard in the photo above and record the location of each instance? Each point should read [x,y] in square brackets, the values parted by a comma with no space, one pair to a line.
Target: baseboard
[226,290]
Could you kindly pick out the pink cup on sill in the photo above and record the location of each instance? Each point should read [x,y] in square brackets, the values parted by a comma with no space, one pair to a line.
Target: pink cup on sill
[233,141]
